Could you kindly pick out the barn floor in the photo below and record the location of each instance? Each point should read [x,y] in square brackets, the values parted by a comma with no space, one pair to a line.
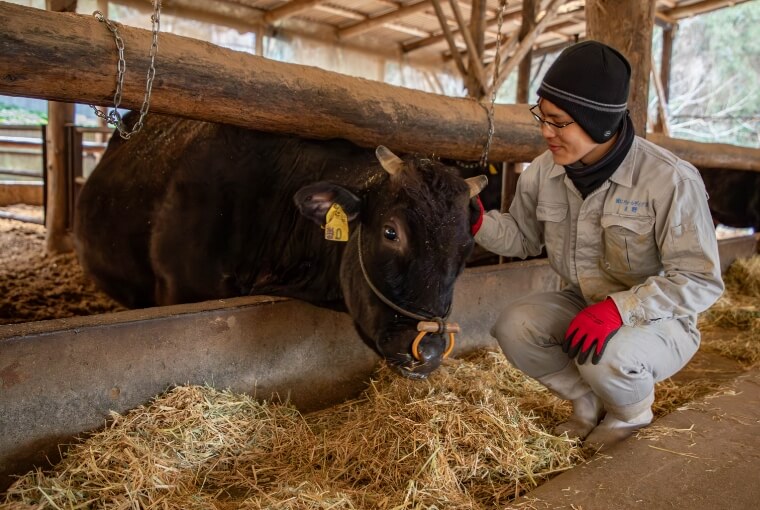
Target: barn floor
[35,286]
[703,455]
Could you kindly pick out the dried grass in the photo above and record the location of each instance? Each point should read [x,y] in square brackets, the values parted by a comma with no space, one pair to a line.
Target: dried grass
[738,310]
[466,438]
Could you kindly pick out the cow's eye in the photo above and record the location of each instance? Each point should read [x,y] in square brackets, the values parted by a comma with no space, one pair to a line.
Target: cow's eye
[390,234]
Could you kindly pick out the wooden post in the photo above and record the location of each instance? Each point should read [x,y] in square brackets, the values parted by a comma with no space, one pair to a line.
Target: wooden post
[476,65]
[450,39]
[523,71]
[477,31]
[668,37]
[57,237]
[627,26]
[663,87]
[509,177]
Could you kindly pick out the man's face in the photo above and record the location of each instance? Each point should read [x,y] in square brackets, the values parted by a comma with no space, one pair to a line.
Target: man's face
[570,143]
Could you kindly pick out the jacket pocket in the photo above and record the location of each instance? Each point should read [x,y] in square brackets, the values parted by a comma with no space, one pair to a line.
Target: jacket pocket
[553,219]
[629,245]
[554,213]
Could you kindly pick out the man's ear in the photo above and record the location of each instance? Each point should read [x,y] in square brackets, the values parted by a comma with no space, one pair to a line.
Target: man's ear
[314,200]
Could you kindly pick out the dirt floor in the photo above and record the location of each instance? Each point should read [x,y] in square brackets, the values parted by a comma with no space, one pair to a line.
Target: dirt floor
[35,286]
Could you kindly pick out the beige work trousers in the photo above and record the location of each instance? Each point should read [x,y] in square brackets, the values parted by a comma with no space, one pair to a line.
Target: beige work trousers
[531,331]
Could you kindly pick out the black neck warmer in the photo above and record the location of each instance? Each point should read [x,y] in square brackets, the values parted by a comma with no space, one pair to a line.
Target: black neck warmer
[588,178]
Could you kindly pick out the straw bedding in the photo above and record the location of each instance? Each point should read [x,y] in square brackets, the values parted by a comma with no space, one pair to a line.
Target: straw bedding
[466,438]
[474,435]
[737,311]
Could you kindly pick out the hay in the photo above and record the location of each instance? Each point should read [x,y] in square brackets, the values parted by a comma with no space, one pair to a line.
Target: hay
[466,438]
[737,311]
[743,277]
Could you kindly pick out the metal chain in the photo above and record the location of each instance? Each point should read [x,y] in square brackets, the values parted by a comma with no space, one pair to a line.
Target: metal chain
[489,111]
[114,117]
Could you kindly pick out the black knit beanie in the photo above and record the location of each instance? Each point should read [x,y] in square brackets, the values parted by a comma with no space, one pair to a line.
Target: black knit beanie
[589,81]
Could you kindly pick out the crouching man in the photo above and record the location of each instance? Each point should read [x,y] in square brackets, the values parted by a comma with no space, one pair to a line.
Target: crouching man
[626,225]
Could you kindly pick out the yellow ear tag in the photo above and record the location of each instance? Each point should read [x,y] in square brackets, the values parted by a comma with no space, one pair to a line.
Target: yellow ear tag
[492,169]
[336,228]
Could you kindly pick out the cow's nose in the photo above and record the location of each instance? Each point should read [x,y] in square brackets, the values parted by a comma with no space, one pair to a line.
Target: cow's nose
[430,349]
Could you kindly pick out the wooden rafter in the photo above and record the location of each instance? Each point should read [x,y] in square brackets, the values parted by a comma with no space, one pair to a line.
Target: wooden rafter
[289,9]
[476,66]
[526,44]
[447,33]
[435,39]
[388,17]
[699,8]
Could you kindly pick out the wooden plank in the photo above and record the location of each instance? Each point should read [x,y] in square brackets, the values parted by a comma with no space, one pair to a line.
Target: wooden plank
[378,21]
[289,9]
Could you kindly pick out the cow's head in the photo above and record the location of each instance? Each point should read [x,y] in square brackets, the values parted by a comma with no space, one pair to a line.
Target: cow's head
[409,240]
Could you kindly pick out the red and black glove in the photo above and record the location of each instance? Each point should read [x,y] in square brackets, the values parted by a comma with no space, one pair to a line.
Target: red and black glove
[476,214]
[591,330]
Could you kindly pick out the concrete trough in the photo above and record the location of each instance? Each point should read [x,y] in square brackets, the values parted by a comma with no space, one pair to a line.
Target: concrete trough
[61,378]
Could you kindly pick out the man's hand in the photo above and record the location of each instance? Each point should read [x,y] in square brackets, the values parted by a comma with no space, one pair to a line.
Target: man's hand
[476,214]
[591,329]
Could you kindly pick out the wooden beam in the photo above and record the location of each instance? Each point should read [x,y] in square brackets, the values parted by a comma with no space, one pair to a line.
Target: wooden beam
[661,123]
[668,37]
[530,9]
[228,14]
[377,21]
[57,235]
[710,155]
[477,32]
[72,58]
[699,8]
[435,39]
[68,57]
[289,9]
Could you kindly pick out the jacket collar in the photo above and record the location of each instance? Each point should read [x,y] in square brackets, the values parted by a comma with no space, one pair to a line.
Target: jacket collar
[623,176]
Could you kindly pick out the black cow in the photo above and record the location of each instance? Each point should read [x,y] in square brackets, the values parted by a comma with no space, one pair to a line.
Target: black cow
[188,211]
[734,196]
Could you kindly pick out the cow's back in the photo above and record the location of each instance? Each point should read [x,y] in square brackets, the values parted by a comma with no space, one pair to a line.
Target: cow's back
[230,206]
[188,211]
[115,209]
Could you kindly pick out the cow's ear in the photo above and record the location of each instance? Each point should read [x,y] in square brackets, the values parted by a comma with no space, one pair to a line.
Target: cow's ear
[314,200]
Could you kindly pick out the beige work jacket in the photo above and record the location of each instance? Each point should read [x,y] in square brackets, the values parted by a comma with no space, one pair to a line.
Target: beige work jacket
[644,238]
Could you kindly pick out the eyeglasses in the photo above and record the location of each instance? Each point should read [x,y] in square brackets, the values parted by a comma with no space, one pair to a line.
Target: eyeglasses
[542,120]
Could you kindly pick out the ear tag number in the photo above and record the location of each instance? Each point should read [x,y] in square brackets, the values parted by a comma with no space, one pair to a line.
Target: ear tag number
[336,226]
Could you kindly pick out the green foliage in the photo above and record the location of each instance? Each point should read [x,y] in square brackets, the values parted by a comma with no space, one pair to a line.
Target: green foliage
[14,115]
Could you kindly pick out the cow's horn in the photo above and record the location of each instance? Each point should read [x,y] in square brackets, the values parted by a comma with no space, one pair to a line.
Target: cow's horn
[388,160]
[476,184]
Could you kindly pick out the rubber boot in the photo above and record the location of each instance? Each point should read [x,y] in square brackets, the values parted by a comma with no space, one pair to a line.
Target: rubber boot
[587,411]
[619,423]
[587,407]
